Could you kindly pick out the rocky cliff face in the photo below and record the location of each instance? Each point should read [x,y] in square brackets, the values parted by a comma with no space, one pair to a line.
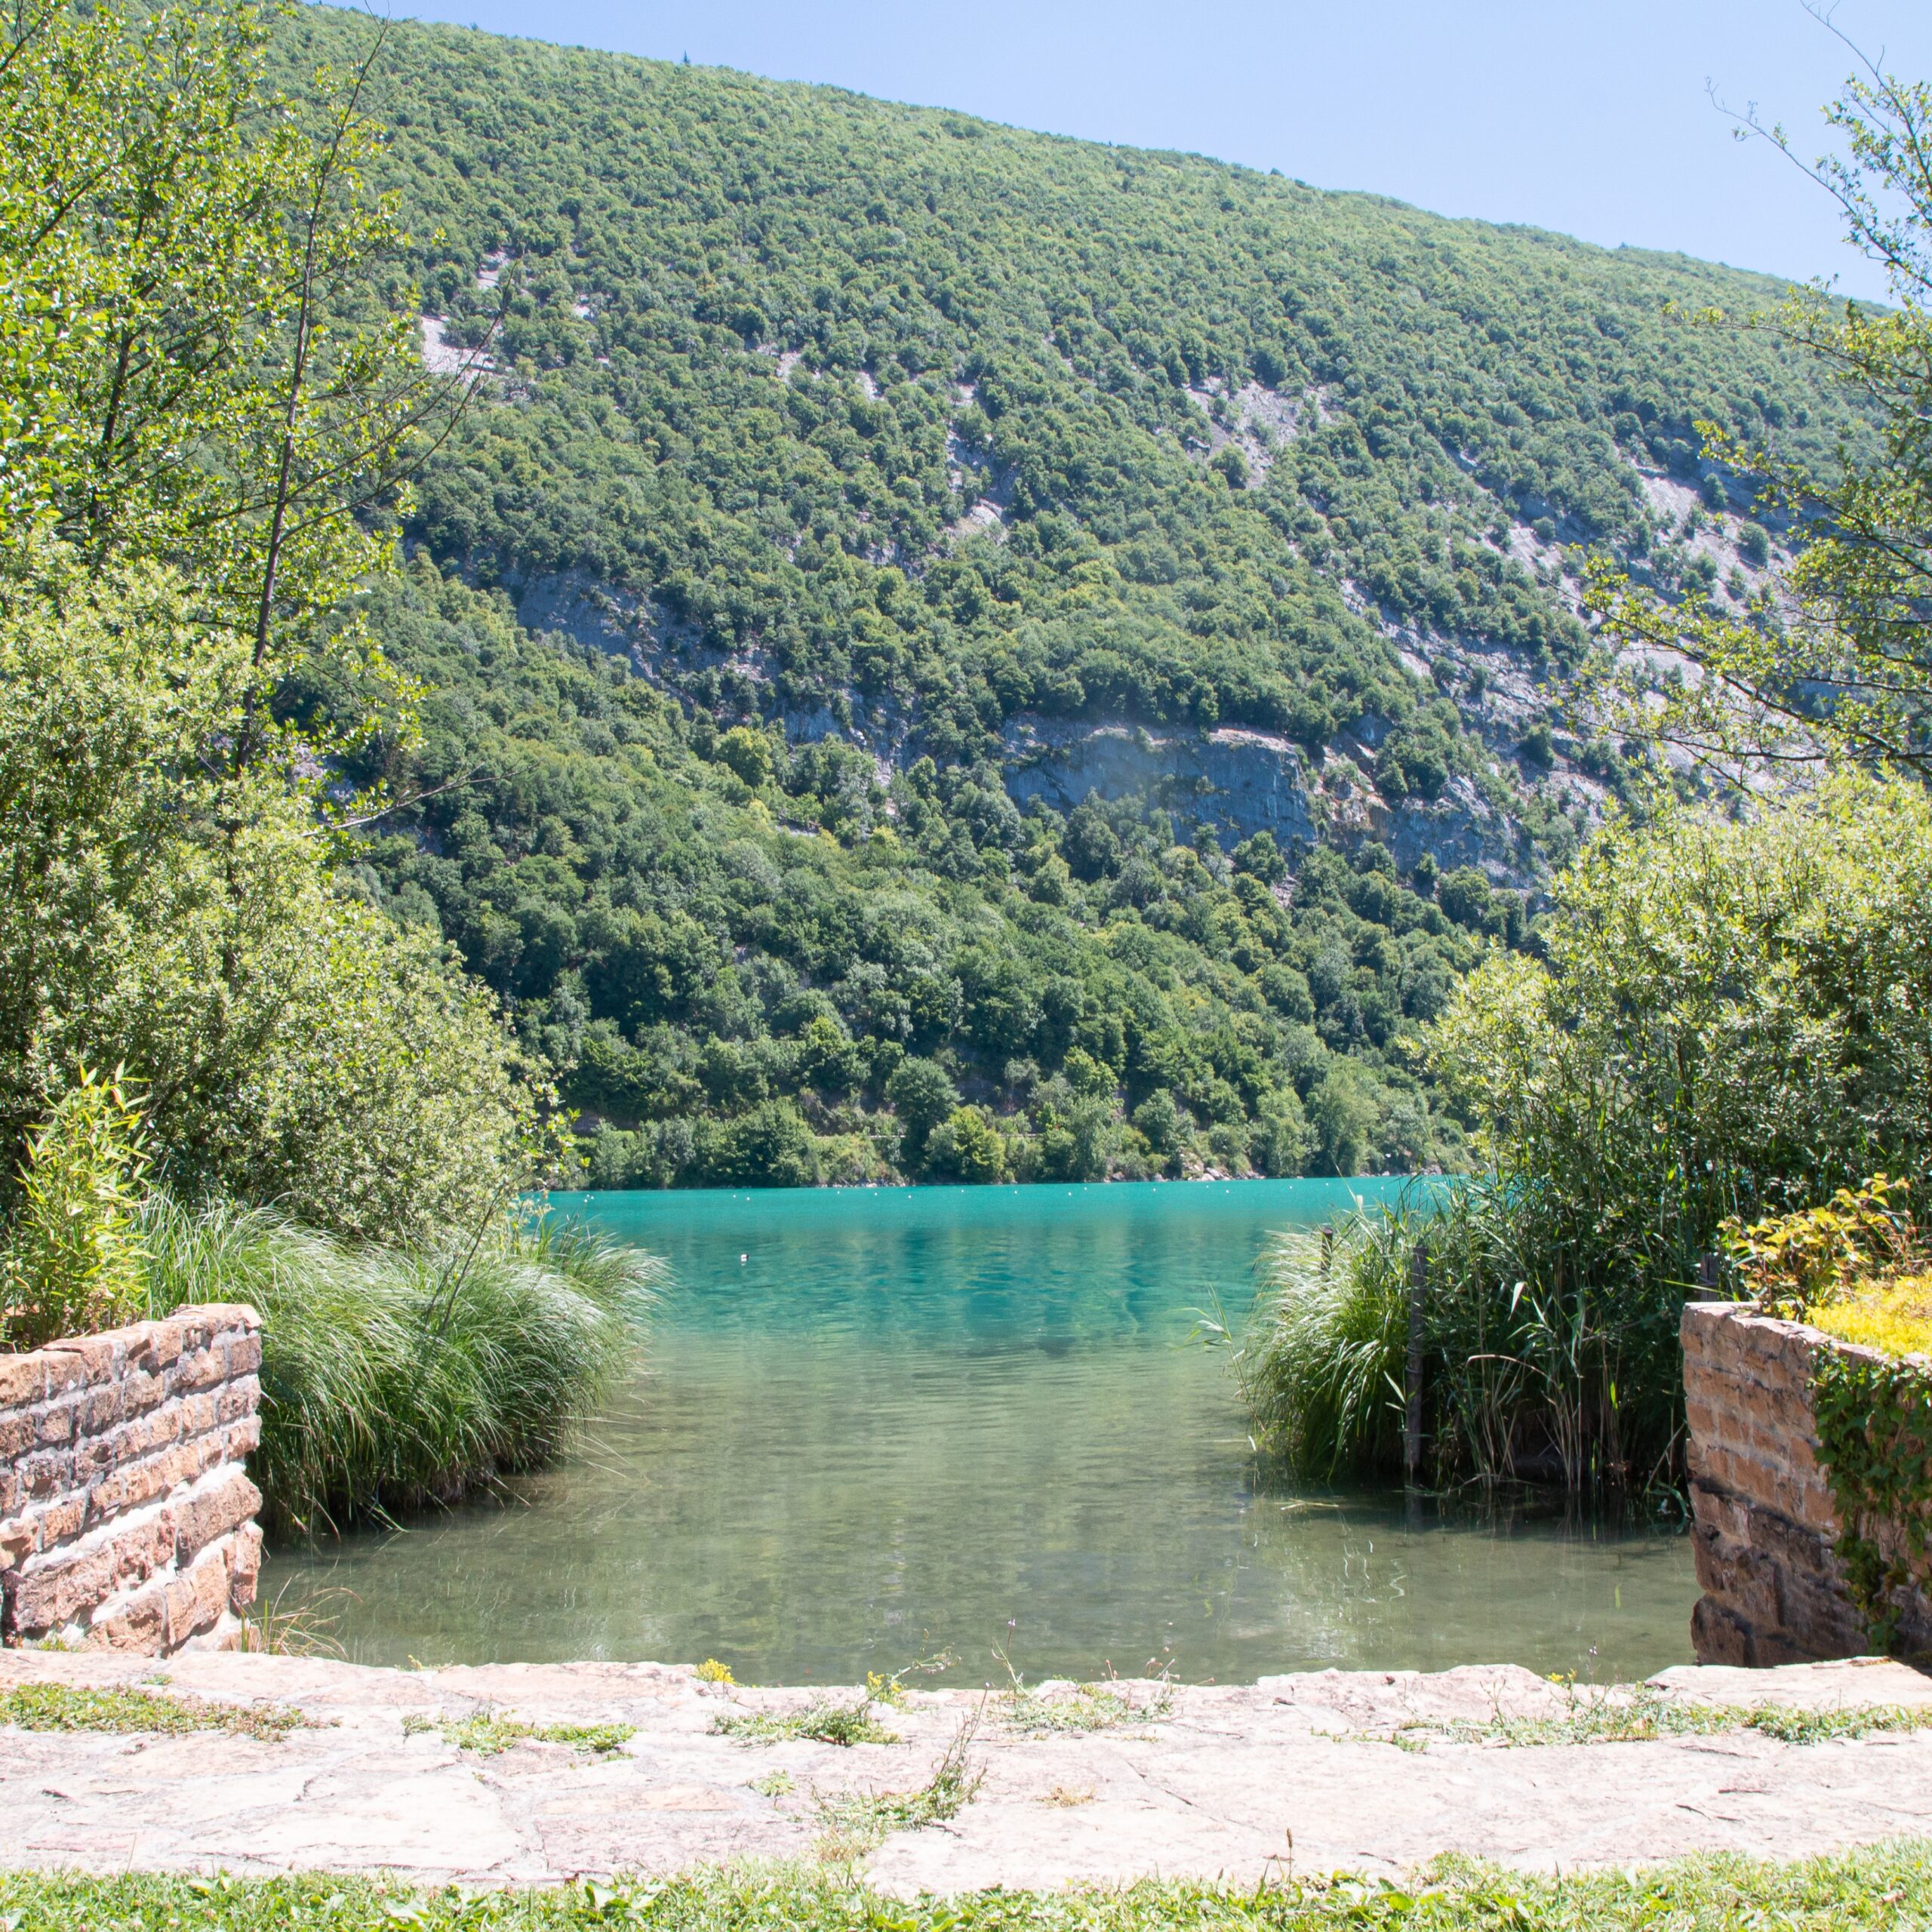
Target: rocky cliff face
[1240,780]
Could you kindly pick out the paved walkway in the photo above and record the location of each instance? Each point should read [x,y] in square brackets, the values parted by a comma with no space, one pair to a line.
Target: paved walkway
[1233,1781]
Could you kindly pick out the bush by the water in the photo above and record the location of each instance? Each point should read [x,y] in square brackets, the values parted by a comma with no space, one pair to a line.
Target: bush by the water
[1727,1019]
[396,1377]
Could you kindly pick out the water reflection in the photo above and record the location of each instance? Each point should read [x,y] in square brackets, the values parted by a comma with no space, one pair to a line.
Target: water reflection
[876,1423]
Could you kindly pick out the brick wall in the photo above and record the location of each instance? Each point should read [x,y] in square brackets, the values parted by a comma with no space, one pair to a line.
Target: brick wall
[127,1517]
[1764,1523]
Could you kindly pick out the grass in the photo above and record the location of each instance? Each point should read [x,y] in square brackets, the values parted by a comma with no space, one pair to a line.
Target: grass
[1879,1888]
[1606,1719]
[823,1722]
[489,1734]
[853,1823]
[1080,1709]
[394,1377]
[127,1711]
[1319,1371]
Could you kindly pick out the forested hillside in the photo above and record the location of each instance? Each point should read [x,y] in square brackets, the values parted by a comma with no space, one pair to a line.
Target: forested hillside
[853,488]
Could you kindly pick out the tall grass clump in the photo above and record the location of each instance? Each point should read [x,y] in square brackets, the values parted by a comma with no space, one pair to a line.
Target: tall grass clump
[1725,1018]
[393,1378]
[1532,1371]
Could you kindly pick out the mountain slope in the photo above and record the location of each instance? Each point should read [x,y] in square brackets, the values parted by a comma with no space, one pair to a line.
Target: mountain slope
[893,473]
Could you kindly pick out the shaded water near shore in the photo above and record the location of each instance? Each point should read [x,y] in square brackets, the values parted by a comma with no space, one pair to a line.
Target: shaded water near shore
[879,1423]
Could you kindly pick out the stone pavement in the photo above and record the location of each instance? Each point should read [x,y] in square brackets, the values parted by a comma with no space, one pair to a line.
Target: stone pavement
[1229,1781]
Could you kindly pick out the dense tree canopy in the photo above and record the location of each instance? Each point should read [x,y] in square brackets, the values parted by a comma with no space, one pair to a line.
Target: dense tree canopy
[875,436]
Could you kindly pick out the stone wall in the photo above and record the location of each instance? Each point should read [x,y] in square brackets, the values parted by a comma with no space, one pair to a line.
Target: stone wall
[1765,1524]
[127,1517]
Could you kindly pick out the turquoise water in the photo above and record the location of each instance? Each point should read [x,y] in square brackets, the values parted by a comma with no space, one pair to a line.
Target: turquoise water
[874,1424]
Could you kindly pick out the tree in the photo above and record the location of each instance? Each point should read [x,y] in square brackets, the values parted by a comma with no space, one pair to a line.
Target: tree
[1729,1019]
[199,432]
[160,911]
[199,368]
[921,1093]
[1342,1114]
[1838,661]
[967,1144]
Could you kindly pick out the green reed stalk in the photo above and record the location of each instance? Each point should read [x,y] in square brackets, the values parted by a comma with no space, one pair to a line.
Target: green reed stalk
[396,1377]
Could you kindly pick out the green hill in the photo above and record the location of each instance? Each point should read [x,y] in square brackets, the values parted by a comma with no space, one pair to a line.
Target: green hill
[857,489]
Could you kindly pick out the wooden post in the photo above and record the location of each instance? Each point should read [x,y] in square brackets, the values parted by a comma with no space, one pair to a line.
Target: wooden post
[1327,1248]
[1412,1384]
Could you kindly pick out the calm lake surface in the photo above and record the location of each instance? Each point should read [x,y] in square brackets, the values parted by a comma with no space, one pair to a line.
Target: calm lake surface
[877,1423]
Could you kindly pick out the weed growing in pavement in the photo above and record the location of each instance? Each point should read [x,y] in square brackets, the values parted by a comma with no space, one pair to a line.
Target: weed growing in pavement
[1082,1709]
[489,1734]
[1644,1715]
[855,1821]
[128,1711]
[823,1722]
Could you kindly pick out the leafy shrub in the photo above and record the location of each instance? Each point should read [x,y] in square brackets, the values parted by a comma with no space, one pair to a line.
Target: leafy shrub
[169,915]
[1726,1021]
[1791,1263]
[72,1261]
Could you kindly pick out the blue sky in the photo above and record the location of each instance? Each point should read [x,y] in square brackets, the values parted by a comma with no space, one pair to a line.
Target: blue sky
[1589,116]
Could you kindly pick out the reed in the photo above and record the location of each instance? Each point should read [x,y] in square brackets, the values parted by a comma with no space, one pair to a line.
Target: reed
[1546,1357]
[394,1377]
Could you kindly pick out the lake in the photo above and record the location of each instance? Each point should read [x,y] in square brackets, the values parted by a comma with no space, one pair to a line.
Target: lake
[874,1425]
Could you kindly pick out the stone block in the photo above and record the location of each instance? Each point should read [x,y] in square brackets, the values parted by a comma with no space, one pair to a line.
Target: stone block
[1817,1618]
[241,1398]
[197,1597]
[63,1370]
[199,1368]
[141,1481]
[103,1408]
[23,1380]
[59,1522]
[196,1414]
[45,1471]
[244,1567]
[137,1623]
[196,1325]
[99,1357]
[62,1586]
[1717,1634]
[55,1423]
[1743,1579]
[220,1502]
[145,1435]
